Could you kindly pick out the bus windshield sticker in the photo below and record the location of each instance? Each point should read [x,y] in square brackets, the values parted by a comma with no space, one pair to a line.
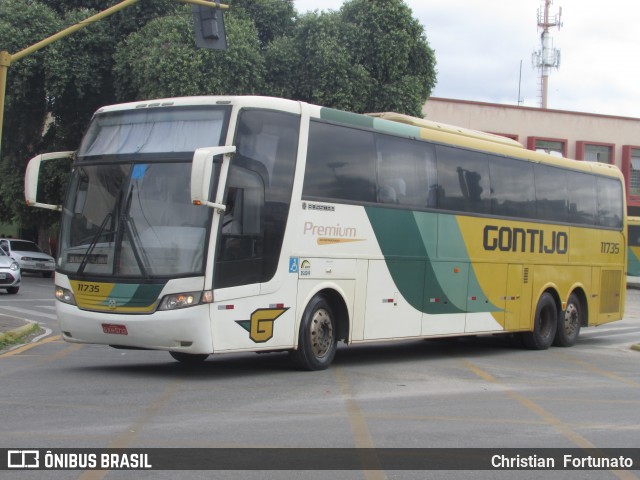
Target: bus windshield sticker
[138,172]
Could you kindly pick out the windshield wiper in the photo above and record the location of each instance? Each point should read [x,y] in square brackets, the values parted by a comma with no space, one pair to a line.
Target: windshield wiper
[93,243]
[132,233]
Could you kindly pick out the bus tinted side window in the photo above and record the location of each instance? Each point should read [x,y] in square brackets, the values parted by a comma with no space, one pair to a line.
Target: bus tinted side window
[634,235]
[463,180]
[340,163]
[582,198]
[551,193]
[609,202]
[512,191]
[406,172]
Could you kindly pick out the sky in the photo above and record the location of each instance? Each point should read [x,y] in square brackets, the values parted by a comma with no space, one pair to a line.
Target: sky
[484,51]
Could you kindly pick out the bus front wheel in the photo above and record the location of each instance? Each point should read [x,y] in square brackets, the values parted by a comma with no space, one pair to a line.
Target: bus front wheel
[545,324]
[569,324]
[189,358]
[317,341]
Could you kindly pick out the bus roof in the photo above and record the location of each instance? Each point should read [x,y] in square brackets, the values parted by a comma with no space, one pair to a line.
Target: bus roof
[443,127]
[488,142]
[429,130]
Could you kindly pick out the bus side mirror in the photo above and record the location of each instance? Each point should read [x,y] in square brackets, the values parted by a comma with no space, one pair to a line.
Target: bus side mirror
[201,172]
[31,179]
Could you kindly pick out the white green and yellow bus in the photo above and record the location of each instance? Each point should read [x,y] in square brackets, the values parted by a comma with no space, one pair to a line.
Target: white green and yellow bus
[633,239]
[212,225]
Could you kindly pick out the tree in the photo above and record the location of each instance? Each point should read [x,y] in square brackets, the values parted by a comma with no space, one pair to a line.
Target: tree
[78,80]
[369,56]
[160,60]
[25,104]
[317,65]
[273,19]
[79,67]
[392,46]
[26,100]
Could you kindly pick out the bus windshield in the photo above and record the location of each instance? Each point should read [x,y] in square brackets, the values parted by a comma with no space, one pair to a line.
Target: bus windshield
[129,212]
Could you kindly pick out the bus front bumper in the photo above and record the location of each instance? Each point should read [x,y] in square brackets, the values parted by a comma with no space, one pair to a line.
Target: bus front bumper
[184,330]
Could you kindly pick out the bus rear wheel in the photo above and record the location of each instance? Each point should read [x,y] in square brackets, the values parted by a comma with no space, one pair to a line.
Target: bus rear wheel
[317,341]
[189,358]
[545,324]
[569,324]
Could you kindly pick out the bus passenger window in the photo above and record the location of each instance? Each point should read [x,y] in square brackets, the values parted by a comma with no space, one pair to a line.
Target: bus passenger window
[551,193]
[609,202]
[463,180]
[512,191]
[405,167]
[582,198]
[340,163]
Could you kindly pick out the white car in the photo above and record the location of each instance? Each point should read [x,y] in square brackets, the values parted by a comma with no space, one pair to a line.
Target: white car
[9,273]
[29,256]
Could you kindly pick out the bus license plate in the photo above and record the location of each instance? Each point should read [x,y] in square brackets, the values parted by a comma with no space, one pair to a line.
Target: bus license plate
[114,329]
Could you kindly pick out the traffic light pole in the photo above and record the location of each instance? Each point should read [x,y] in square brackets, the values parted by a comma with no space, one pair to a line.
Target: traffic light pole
[6,59]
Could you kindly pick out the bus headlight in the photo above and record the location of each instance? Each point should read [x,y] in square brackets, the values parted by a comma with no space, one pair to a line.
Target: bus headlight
[180,300]
[65,295]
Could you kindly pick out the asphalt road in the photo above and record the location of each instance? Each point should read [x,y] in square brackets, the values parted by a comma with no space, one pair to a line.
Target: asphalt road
[481,392]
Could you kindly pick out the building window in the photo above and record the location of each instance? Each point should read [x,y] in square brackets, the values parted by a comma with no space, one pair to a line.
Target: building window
[556,147]
[631,171]
[595,152]
[634,173]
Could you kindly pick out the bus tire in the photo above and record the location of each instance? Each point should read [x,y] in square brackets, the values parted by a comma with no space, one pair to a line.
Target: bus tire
[317,340]
[189,358]
[545,324]
[569,323]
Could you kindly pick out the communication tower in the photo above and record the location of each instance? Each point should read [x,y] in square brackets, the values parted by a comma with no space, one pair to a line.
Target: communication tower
[547,57]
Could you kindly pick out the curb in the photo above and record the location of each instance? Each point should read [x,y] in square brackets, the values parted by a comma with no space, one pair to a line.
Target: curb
[16,332]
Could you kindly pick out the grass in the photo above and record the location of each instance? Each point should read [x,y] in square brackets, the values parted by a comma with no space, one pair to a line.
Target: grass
[10,339]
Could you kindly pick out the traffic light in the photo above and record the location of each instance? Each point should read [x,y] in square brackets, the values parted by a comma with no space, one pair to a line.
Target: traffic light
[209,27]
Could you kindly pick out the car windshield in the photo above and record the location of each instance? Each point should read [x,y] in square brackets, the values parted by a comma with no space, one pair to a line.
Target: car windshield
[23,246]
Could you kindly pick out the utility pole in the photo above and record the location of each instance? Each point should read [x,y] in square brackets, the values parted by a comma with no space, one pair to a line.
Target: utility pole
[6,58]
[547,57]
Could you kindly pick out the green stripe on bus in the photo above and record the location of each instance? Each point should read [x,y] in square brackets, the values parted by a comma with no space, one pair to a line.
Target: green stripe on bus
[431,284]
[346,117]
[135,295]
[369,122]
[633,263]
